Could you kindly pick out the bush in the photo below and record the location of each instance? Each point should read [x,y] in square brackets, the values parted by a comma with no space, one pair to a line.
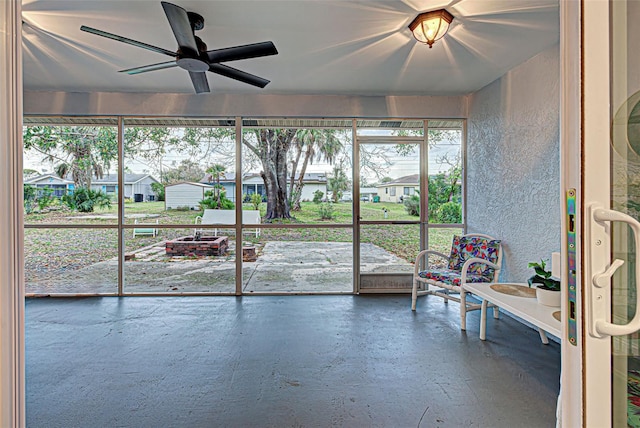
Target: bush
[211,201]
[29,199]
[326,211]
[85,200]
[158,189]
[317,196]
[256,200]
[449,212]
[412,205]
[45,199]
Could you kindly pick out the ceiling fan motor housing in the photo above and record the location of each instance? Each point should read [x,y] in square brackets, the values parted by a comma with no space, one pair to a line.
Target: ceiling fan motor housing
[196,20]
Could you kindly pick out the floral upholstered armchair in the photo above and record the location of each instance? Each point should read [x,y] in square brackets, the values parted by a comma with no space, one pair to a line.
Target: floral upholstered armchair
[473,258]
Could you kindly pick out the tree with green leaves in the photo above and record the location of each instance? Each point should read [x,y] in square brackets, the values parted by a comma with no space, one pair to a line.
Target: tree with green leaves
[337,182]
[186,170]
[216,171]
[271,147]
[158,189]
[309,145]
[445,196]
[83,152]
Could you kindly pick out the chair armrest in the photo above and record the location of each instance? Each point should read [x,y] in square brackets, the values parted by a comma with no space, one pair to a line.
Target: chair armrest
[198,219]
[469,262]
[426,253]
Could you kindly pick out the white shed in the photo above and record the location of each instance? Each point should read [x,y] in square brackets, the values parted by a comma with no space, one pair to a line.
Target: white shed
[185,194]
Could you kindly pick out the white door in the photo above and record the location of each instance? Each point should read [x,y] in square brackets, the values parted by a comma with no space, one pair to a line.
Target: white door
[601,160]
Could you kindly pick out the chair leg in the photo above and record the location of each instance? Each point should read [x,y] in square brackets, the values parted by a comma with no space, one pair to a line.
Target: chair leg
[414,295]
[496,312]
[463,310]
[483,320]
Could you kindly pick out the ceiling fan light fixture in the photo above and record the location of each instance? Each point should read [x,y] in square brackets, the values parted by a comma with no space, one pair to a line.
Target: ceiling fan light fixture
[431,26]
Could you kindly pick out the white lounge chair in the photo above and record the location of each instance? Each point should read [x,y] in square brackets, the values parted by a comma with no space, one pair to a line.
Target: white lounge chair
[228,217]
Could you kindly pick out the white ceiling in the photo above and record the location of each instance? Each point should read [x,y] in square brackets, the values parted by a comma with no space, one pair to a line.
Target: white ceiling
[325,47]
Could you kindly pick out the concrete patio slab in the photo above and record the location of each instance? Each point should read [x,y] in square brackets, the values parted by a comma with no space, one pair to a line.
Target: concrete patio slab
[281,267]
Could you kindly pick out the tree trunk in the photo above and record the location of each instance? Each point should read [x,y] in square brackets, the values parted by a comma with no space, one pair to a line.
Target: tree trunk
[299,183]
[273,155]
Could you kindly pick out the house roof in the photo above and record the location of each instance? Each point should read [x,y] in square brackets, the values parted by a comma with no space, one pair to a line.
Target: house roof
[407,179]
[106,179]
[191,183]
[128,179]
[310,177]
[41,177]
[225,177]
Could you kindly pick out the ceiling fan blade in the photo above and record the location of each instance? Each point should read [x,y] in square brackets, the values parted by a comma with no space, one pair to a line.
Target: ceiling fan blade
[242,52]
[126,40]
[199,80]
[181,27]
[234,73]
[150,67]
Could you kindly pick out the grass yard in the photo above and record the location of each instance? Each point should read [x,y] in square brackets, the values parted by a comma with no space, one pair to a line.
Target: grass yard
[52,250]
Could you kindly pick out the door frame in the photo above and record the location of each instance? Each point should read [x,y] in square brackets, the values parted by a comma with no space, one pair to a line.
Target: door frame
[585,398]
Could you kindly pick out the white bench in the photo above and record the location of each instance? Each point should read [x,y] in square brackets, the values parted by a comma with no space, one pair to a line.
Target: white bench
[228,217]
[526,308]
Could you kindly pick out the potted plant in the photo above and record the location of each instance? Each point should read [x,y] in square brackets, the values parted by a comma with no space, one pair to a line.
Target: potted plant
[547,288]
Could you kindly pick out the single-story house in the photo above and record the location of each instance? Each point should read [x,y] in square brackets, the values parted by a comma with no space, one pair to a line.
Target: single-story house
[367,193]
[396,190]
[58,186]
[313,181]
[227,180]
[185,194]
[253,183]
[136,186]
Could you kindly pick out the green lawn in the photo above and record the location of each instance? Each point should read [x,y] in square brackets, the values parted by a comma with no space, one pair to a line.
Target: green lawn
[55,249]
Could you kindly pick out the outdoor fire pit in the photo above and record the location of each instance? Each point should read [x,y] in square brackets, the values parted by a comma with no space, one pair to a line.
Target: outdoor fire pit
[204,246]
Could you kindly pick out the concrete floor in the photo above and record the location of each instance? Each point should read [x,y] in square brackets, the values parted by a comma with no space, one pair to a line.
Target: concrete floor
[281,361]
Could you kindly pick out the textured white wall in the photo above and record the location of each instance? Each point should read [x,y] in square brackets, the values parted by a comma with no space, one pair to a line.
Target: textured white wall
[513,166]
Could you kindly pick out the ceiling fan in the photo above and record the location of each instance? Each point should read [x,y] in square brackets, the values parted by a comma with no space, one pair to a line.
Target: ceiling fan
[192,54]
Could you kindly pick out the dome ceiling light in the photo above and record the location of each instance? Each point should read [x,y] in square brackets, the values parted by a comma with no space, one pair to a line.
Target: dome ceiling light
[431,26]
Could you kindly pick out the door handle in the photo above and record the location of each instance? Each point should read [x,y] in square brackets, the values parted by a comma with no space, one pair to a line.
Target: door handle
[600,306]
[601,280]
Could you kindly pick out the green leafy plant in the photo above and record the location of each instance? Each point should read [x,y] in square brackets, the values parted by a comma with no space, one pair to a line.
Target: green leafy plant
[158,189]
[45,198]
[216,199]
[543,276]
[412,204]
[85,200]
[317,196]
[326,211]
[256,200]
[29,200]
[450,212]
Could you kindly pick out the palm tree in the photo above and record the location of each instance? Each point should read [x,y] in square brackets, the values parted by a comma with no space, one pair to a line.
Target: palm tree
[216,171]
[337,182]
[81,151]
[318,144]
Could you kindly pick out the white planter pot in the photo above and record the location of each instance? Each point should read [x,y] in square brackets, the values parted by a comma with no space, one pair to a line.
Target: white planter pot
[548,297]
